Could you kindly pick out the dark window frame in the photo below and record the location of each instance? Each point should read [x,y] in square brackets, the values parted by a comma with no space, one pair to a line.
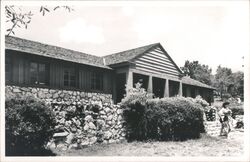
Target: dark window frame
[70,79]
[8,75]
[41,76]
[97,79]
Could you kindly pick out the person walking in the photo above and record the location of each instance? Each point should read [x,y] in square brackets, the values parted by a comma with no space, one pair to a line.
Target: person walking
[225,116]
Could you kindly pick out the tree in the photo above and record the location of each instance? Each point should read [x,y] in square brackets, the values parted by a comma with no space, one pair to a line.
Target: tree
[16,18]
[223,79]
[237,86]
[198,72]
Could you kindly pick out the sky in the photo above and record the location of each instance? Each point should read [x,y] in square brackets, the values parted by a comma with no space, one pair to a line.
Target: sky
[211,32]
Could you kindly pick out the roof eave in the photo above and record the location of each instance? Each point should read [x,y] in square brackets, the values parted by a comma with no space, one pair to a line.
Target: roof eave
[99,66]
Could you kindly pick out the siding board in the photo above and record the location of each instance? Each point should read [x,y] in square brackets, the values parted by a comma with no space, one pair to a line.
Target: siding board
[155,61]
[160,65]
[159,58]
[153,70]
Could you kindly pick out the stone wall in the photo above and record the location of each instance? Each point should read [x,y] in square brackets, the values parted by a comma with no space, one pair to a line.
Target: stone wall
[212,127]
[83,118]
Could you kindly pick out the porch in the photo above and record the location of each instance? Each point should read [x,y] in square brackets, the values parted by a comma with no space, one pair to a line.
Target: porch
[161,85]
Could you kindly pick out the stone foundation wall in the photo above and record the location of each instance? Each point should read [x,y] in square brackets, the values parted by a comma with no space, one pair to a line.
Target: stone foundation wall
[83,118]
[212,127]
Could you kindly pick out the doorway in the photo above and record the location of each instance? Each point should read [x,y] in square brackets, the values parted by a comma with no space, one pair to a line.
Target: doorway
[120,86]
[158,87]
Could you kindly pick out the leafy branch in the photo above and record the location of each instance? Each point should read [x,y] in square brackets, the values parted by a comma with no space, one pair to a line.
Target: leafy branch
[17,18]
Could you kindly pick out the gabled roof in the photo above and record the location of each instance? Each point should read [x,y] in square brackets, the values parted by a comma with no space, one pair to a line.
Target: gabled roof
[37,48]
[190,81]
[127,55]
[130,55]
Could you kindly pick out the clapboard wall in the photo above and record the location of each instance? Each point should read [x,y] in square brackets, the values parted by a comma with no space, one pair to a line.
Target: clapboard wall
[156,61]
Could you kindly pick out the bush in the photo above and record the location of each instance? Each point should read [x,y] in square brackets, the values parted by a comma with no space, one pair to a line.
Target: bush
[29,126]
[198,99]
[174,118]
[134,112]
[226,96]
[237,111]
[177,118]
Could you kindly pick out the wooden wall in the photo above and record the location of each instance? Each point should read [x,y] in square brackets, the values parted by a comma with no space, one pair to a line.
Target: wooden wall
[156,61]
[20,72]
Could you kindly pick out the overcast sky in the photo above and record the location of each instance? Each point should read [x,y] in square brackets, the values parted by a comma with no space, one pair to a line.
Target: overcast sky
[212,33]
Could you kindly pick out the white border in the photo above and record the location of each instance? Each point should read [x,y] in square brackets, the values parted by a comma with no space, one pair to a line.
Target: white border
[246,156]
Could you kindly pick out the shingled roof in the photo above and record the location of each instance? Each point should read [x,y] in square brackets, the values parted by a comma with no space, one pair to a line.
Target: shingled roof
[190,81]
[37,48]
[127,55]
[24,45]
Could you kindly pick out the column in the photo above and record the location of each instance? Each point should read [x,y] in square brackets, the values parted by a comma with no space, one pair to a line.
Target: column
[166,91]
[114,88]
[180,89]
[129,78]
[150,84]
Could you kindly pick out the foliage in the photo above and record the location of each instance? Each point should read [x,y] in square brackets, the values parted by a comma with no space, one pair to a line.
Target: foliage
[175,118]
[17,18]
[198,71]
[226,96]
[237,109]
[223,78]
[29,126]
[199,100]
[236,89]
[134,111]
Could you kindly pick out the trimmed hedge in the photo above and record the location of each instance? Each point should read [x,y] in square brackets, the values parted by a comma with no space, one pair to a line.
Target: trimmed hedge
[29,126]
[175,118]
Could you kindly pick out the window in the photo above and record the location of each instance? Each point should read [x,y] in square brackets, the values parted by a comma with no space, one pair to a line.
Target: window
[69,77]
[38,73]
[96,81]
[8,72]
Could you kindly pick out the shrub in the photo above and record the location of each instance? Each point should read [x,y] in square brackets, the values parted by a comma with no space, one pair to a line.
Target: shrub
[237,111]
[174,118]
[177,118]
[29,126]
[198,99]
[134,112]
[226,96]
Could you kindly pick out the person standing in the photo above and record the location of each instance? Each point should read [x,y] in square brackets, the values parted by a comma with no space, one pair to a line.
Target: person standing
[225,116]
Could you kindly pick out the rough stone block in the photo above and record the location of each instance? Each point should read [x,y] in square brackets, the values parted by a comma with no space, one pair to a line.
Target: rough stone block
[91,125]
[16,90]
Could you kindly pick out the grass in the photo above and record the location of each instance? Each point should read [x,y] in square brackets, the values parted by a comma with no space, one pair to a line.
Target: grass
[205,146]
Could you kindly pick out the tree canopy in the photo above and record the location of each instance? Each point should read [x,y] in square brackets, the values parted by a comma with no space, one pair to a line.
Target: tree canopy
[225,81]
[198,71]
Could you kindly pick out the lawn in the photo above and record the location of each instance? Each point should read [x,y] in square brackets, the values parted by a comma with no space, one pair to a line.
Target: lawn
[205,146]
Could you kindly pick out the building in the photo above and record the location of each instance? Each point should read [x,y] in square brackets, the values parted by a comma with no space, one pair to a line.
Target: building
[33,64]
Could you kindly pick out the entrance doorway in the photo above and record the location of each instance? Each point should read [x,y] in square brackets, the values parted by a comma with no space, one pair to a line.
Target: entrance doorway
[173,88]
[120,86]
[158,87]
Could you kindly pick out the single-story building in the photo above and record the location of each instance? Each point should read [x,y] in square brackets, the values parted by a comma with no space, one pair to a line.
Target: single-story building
[34,64]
